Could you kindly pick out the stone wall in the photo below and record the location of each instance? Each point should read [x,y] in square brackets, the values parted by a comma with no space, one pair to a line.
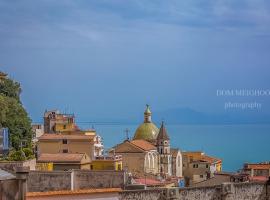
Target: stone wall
[245,191]
[39,181]
[154,194]
[200,193]
[227,191]
[12,165]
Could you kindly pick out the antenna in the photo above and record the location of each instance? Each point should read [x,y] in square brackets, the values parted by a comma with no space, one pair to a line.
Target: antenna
[127,131]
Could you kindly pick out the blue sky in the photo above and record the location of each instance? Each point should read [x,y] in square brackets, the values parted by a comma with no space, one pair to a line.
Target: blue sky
[107,59]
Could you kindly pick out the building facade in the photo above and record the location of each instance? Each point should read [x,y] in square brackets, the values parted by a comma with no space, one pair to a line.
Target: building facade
[139,156]
[257,169]
[60,143]
[198,167]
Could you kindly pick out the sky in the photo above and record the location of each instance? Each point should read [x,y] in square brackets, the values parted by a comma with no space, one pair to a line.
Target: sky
[105,59]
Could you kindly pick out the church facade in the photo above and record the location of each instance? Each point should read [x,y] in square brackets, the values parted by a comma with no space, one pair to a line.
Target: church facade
[150,152]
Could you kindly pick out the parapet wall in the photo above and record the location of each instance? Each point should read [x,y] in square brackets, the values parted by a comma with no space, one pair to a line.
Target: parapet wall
[98,179]
[12,165]
[227,191]
[40,181]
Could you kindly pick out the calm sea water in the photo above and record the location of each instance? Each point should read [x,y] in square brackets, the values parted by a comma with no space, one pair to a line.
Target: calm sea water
[234,144]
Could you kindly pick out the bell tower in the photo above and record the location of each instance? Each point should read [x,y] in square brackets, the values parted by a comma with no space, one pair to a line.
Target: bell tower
[163,147]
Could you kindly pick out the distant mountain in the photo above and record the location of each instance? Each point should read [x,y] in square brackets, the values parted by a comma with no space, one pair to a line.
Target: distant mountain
[186,116]
[190,116]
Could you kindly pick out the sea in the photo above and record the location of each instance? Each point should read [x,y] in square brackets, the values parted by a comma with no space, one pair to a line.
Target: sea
[234,144]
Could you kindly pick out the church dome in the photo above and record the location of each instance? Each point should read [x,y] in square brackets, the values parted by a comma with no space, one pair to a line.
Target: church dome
[147,130]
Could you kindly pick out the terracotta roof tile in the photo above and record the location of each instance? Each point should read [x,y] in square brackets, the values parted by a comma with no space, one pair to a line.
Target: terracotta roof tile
[209,159]
[200,156]
[258,178]
[73,192]
[257,166]
[51,136]
[143,144]
[61,157]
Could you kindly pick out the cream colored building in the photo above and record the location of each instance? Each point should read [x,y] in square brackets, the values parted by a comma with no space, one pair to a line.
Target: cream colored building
[139,156]
[61,143]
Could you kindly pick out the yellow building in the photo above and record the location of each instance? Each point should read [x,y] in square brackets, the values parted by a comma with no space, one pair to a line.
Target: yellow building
[56,122]
[107,163]
[44,166]
[62,127]
[66,143]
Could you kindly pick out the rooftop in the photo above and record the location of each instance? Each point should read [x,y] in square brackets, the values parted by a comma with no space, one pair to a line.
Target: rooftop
[147,146]
[201,156]
[257,166]
[73,192]
[61,157]
[5,175]
[50,136]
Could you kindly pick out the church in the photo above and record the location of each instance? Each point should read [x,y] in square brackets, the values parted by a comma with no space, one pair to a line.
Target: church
[150,152]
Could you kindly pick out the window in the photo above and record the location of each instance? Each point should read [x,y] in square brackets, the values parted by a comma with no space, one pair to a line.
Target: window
[64,141]
[91,167]
[201,176]
[207,166]
[65,151]
[195,165]
[65,126]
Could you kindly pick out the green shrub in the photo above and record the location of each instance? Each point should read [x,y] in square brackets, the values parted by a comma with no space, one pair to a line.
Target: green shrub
[17,156]
[28,153]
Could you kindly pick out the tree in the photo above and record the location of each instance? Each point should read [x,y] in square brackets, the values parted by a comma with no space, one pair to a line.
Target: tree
[10,88]
[13,115]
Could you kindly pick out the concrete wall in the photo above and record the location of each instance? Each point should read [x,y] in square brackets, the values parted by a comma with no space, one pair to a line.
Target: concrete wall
[13,186]
[84,179]
[227,191]
[39,181]
[9,189]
